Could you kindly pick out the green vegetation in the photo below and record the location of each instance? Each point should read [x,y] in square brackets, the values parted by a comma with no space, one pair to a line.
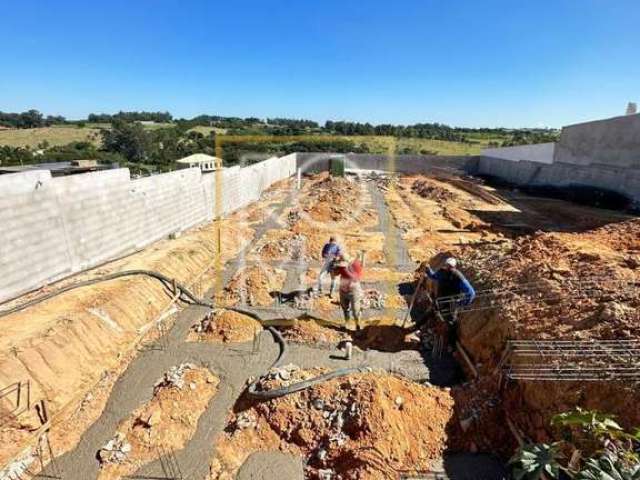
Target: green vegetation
[154,140]
[597,446]
[533,461]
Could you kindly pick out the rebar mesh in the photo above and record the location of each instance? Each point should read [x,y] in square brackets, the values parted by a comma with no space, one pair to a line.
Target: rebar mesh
[571,289]
[579,360]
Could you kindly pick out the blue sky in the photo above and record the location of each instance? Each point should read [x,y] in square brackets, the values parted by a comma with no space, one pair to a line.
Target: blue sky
[510,63]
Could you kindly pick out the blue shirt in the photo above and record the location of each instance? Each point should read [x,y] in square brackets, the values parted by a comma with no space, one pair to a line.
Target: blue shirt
[463,285]
[331,250]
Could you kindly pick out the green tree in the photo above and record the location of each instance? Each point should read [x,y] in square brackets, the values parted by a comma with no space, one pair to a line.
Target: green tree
[128,139]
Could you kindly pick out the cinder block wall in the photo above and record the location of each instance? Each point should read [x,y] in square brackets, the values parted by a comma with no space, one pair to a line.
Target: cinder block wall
[617,179]
[315,162]
[614,142]
[54,227]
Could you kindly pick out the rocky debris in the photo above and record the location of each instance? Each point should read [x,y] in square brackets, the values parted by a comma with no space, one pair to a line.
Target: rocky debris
[426,189]
[367,425]
[207,324]
[372,299]
[290,247]
[225,326]
[284,376]
[309,331]
[333,199]
[253,286]
[115,450]
[243,420]
[174,377]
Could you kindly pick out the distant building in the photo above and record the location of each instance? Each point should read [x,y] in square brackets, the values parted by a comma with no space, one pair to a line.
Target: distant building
[632,108]
[204,162]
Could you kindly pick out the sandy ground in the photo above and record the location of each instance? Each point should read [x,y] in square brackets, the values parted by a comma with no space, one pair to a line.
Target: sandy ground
[370,425]
[73,347]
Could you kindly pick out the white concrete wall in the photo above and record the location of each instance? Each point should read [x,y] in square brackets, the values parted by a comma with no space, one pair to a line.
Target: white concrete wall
[53,227]
[613,142]
[541,153]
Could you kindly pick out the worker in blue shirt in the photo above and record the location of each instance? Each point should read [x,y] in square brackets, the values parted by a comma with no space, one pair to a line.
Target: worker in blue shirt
[455,289]
[451,282]
[330,252]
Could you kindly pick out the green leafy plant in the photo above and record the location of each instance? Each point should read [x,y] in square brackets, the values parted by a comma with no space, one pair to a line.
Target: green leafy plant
[590,421]
[608,467]
[531,461]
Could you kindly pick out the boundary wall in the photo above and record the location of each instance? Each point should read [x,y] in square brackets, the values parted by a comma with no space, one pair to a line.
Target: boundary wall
[539,152]
[521,172]
[614,142]
[314,162]
[54,227]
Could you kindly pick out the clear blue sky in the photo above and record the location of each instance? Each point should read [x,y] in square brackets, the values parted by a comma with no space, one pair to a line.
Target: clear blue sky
[507,63]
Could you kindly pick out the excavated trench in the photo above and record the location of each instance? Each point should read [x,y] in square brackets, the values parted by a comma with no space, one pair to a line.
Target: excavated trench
[233,362]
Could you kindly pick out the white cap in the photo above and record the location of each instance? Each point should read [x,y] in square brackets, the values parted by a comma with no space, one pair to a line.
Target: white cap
[451,262]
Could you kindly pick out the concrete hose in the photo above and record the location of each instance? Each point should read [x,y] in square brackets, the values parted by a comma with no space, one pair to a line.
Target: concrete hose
[253,391]
[166,281]
[184,292]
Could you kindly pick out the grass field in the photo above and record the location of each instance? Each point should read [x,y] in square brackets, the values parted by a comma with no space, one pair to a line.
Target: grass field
[62,135]
[32,137]
[416,145]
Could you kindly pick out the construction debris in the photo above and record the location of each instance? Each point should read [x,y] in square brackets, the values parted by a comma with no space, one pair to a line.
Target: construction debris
[427,189]
[115,450]
[174,377]
[372,299]
[363,426]
[253,286]
[225,326]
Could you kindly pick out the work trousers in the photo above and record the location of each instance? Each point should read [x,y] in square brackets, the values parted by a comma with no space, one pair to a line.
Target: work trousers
[350,301]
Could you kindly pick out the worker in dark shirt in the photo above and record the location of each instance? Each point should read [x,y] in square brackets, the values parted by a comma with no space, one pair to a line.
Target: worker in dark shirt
[330,251]
[453,291]
[451,282]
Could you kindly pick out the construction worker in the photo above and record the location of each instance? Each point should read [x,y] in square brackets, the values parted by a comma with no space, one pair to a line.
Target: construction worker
[350,273]
[330,251]
[453,291]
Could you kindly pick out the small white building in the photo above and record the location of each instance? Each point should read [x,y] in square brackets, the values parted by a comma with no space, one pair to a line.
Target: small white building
[205,163]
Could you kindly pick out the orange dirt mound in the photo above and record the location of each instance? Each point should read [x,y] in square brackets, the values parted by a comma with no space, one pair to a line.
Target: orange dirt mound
[253,285]
[309,331]
[365,426]
[427,189]
[224,326]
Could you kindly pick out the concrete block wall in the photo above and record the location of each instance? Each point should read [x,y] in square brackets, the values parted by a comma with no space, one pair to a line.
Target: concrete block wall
[541,152]
[614,142]
[314,162]
[621,180]
[54,227]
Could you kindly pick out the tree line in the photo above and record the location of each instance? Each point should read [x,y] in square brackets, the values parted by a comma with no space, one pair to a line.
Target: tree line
[29,119]
[293,126]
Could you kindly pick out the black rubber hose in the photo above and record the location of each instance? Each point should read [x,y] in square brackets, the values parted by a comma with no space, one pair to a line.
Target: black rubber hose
[170,283]
[253,391]
[296,387]
[166,281]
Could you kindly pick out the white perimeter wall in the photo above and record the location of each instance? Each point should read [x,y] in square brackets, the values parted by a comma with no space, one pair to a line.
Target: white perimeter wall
[53,227]
[541,153]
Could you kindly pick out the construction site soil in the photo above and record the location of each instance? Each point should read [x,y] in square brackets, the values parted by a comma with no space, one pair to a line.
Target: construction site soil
[367,426]
[545,270]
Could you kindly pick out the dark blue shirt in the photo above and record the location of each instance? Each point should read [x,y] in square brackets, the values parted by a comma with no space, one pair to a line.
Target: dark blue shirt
[331,250]
[463,285]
